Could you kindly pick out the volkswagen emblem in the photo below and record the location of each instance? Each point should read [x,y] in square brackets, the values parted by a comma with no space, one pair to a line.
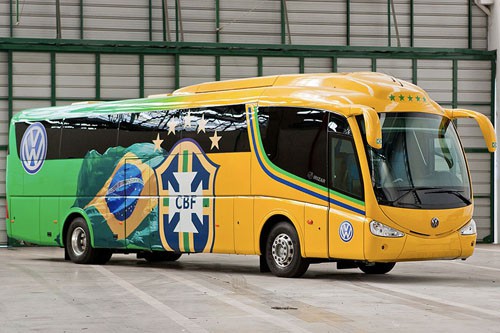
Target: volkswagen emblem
[434,222]
[33,149]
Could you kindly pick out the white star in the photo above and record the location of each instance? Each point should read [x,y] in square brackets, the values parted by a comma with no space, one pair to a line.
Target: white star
[187,120]
[157,142]
[201,124]
[215,140]
[171,127]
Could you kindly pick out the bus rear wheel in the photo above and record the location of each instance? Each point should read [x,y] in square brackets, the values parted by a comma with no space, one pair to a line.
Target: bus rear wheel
[79,247]
[376,267]
[283,252]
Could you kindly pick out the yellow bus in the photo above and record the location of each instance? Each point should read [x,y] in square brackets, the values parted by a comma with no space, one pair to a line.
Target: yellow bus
[361,169]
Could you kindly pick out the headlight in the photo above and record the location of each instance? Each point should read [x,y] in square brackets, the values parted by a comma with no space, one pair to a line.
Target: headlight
[380,229]
[469,228]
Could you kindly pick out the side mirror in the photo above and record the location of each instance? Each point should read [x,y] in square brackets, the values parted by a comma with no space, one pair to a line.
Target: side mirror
[484,124]
[372,124]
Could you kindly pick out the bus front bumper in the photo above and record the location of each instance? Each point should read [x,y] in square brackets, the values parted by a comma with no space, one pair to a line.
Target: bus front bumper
[413,247]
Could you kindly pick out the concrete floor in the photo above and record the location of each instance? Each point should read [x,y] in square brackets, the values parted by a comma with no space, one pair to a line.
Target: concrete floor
[39,291]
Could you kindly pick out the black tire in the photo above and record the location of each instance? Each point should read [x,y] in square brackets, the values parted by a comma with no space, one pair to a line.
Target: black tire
[376,267]
[283,252]
[160,256]
[78,245]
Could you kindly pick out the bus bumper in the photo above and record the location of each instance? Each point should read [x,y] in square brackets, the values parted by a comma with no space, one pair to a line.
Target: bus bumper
[411,247]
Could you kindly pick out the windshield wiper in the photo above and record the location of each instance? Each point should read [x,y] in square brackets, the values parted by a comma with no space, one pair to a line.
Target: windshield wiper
[454,192]
[411,191]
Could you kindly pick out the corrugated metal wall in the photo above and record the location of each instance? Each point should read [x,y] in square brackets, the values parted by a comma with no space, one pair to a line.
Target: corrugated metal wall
[42,78]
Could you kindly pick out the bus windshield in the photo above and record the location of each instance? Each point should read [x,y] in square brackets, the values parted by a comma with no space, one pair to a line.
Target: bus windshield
[421,163]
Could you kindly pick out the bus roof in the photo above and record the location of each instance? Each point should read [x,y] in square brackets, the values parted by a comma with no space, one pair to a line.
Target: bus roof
[331,91]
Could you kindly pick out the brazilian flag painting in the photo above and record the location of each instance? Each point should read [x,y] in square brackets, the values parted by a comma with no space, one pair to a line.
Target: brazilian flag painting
[121,201]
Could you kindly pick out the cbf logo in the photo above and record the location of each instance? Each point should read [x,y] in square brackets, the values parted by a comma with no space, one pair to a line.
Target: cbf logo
[346,231]
[33,149]
[186,182]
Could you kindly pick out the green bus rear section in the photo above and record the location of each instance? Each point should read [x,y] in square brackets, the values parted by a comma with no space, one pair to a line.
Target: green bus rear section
[43,204]
[39,204]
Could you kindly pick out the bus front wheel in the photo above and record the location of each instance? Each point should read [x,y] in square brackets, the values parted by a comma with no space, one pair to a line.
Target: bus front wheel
[79,248]
[376,267]
[283,252]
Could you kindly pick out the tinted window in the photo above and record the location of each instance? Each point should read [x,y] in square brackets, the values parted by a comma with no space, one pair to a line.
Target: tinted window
[345,176]
[147,126]
[295,140]
[53,129]
[217,129]
[81,135]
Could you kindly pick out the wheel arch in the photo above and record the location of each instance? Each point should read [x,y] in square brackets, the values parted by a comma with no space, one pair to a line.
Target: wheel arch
[270,222]
[70,216]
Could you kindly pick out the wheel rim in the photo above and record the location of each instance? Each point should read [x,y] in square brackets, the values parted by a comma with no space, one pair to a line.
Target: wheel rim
[79,241]
[283,250]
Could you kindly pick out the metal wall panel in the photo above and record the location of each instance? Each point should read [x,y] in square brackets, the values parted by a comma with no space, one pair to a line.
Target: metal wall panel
[4,124]
[35,19]
[436,77]
[250,21]
[369,23]
[238,67]
[318,22]
[354,64]
[280,65]
[4,19]
[400,68]
[31,74]
[119,76]
[318,65]
[482,217]
[159,74]
[196,69]
[439,23]
[3,74]
[75,76]
[116,20]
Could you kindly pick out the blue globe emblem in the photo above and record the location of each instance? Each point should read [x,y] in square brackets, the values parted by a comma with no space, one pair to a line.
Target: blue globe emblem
[346,231]
[33,149]
[123,191]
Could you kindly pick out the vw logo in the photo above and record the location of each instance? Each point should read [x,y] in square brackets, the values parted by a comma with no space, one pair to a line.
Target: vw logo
[33,149]
[434,222]
[346,231]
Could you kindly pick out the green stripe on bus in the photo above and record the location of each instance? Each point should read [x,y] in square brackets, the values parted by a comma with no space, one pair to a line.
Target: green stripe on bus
[185,161]
[185,237]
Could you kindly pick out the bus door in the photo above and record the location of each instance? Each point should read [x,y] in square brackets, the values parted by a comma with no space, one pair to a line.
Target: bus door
[140,203]
[346,209]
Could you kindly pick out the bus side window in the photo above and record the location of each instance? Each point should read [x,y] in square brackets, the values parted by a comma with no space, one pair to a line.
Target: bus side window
[345,175]
[81,135]
[229,122]
[294,139]
[53,129]
[144,127]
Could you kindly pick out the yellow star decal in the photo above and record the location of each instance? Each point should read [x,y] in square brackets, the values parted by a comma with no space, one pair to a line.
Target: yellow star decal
[171,127]
[187,120]
[157,142]
[201,124]
[215,140]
